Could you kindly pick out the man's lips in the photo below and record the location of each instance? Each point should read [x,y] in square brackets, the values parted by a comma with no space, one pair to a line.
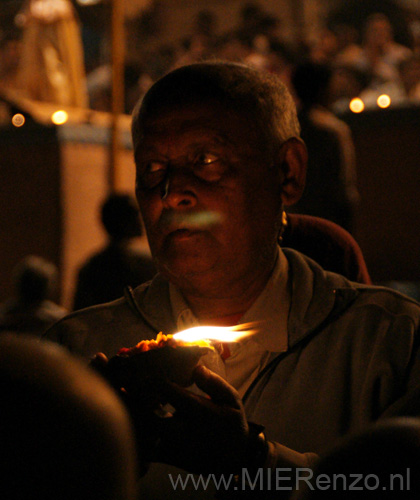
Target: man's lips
[182,225]
[182,234]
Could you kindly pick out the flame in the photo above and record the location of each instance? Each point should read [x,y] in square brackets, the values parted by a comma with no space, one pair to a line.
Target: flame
[215,333]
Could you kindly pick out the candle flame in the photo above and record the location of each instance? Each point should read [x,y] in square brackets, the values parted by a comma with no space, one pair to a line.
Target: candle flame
[216,333]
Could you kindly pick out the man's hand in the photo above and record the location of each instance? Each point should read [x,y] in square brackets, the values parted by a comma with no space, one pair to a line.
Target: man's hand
[205,434]
[142,414]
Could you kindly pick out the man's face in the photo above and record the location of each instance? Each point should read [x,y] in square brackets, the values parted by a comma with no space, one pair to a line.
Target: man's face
[209,198]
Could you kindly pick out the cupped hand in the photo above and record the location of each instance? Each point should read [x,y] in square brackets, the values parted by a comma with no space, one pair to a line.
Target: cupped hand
[206,434]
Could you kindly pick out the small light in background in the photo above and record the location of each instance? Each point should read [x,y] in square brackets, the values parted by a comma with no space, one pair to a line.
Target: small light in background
[383,101]
[356,105]
[88,2]
[59,117]
[18,120]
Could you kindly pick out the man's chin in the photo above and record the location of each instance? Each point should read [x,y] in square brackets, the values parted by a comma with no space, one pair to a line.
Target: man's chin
[185,253]
[184,269]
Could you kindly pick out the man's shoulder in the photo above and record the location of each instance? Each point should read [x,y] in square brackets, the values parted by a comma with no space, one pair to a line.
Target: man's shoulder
[107,312]
[108,327]
[348,295]
[327,120]
[384,299]
[87,330]
[387,300]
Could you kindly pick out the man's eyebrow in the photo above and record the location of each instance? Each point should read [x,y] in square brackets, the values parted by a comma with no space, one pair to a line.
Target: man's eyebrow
[218,139]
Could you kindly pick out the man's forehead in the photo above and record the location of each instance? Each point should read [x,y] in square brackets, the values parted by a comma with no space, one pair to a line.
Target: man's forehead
[205,120]
[197,126]
[187,110]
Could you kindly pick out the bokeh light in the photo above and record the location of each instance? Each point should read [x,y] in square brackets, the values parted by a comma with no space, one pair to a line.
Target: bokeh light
[356,105]
[383,101]
[88,2]
[59,117]
[18,120]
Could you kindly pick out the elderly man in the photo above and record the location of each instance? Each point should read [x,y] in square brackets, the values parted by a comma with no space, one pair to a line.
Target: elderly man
[218,157]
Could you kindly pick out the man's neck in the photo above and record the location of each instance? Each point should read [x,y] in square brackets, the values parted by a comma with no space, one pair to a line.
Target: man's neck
[221,304]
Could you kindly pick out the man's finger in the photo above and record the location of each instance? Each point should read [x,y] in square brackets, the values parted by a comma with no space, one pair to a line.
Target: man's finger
[99,363]
[180,398]
[216,387]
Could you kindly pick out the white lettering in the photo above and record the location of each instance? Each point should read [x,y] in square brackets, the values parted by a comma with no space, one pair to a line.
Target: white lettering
[180,481]
[358,477]
[323,478]
[375,486]
[223,481]
[307,478]
[282,478]
[200,481]
[247,480]
[340,476]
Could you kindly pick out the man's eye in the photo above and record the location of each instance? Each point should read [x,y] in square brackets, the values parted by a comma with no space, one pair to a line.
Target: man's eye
[151,174]
[209,167]
[155,166]
[206,158]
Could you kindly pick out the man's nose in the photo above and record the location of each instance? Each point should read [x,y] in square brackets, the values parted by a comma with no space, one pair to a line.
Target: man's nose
[178,190]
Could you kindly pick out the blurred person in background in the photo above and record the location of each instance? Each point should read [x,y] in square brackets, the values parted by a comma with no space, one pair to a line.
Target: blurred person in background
[64,434]
[330,190]
[347,82]
[403,91]
[378,53]
[200,43]
[119,264]
[32,310]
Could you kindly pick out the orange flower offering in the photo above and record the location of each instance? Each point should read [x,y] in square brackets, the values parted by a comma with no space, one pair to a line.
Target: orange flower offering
[164,357]
[160,341]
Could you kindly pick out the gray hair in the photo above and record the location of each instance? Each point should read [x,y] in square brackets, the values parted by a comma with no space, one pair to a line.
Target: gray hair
[258,95]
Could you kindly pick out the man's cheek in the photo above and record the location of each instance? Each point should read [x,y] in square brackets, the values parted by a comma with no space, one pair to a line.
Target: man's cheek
[149,210]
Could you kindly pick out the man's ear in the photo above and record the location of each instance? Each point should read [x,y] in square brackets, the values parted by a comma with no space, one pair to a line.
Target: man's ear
[293,158]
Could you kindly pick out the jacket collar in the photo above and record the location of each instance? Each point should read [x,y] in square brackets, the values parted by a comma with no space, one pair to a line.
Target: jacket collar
[317,295]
